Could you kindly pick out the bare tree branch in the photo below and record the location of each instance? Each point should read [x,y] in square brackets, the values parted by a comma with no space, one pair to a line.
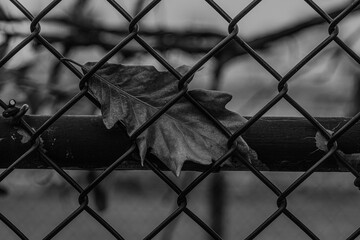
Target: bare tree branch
[190,41]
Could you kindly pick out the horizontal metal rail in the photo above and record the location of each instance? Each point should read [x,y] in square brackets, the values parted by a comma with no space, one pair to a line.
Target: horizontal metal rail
[83,142]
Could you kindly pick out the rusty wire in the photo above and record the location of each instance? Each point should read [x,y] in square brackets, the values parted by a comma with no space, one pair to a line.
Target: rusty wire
[16,113]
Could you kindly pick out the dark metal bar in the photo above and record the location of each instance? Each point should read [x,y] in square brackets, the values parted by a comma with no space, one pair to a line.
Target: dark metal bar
[282,144]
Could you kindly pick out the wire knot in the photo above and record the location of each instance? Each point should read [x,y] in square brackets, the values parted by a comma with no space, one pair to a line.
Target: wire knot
[281,202]
[181,201]
[357,182]
[14,112]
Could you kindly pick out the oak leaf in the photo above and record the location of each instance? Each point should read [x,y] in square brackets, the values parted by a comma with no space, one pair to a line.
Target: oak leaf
[132,94]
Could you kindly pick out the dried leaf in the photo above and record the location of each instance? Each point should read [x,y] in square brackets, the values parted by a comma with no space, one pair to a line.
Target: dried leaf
[321,142]
[352,158]
[25,137]
[132,94]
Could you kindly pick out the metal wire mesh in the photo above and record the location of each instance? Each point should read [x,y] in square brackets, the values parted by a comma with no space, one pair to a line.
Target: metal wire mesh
[134,34]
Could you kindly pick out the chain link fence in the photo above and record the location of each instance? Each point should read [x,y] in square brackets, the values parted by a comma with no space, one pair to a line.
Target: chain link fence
[16,114]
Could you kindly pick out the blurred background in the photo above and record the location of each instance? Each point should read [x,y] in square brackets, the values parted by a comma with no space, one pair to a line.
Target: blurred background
[233,203]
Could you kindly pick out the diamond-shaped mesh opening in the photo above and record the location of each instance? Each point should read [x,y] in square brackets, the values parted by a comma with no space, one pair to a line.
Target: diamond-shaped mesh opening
[198,45]
[84,227]
[338,210]
[324,80]
[280,44]
[282,228]
[137,199]
[37,198]
[248,203]
[249,84]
